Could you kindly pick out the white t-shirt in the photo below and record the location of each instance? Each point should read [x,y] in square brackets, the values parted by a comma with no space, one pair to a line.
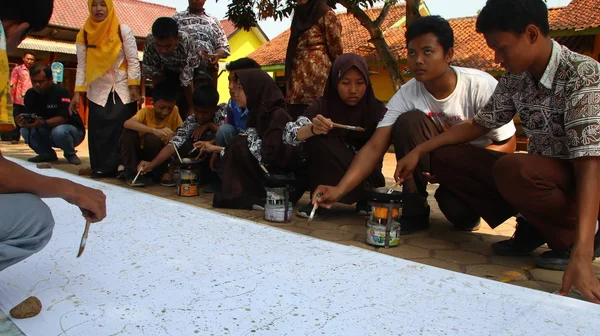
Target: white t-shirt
[473,90]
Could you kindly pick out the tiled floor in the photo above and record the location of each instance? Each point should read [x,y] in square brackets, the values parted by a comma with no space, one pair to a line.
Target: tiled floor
[441,246]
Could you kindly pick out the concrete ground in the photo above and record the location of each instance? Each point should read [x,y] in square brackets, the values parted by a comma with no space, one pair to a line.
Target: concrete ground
[441,246]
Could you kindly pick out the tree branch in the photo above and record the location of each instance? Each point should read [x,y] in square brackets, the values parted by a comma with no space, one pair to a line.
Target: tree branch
[384,12]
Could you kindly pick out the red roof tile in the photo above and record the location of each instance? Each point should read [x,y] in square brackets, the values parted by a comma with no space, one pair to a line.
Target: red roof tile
[228,27]
[555,15]
[354,36]
[470,48]
[579,14]
[138,15]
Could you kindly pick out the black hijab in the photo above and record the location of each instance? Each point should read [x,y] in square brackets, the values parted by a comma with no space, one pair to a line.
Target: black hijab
[367,113]
[262,97]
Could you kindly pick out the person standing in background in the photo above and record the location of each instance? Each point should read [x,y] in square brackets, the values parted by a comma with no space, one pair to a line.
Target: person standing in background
[20,82]
[315,41]
[108,72]
[208,34]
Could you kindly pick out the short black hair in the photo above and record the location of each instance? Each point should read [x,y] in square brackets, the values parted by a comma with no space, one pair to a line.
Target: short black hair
[36,13]
[205,96]
[164,91]
[164,28]
[242,63]
[513,16]
[37,68]
[29,52]
[434,24]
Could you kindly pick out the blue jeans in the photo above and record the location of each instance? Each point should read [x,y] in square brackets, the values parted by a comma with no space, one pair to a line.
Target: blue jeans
[41,140]
[224,135]
[26,228]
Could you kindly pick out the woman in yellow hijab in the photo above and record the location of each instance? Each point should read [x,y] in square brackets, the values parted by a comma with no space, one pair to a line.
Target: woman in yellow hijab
[108,75]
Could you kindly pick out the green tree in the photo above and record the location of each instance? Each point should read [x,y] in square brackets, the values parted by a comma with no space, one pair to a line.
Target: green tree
[246,13]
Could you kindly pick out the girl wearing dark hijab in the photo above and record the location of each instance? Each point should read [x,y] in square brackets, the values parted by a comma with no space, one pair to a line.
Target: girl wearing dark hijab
[315,41]
[261,143]
[348,100]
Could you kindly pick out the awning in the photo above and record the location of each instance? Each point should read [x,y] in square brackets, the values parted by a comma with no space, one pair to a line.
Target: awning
[31,43]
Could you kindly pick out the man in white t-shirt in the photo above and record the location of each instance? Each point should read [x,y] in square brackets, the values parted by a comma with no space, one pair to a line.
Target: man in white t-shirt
[439,97]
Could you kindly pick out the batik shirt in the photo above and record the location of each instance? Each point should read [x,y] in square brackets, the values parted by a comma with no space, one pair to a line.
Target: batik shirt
[186,130]
[560,114]
[204,29]
[184,60]
[317,49]
[20,82]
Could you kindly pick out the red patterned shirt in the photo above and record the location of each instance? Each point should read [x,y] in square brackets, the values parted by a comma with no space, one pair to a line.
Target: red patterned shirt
[20,82]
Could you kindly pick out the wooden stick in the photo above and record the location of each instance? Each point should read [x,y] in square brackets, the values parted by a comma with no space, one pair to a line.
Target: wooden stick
[138,174]
[392,188]
[193,150]
[312,213]
[352,128]
[263,168]
[314,209]
[84,238]
[177,152]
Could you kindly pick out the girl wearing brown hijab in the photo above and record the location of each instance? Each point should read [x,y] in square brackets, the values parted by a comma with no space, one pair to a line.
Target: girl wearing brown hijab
[315,41]
[262,143]
[348,100]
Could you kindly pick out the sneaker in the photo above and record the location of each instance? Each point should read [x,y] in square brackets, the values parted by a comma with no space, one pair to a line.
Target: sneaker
[305,210]
[100,174]
[410,224]
[73,159]
[40,158]
[168,182]
[525,239]
[140,182]
[363,208]
[258,207]
[130,176]
[558,260]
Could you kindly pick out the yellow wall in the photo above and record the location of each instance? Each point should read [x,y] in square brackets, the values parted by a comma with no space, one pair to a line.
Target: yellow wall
[242,44]
[382,84]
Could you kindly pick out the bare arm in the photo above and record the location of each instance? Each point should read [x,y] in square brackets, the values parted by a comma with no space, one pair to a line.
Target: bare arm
[16,179]
[579,272]
[464,132]
[162,156]
[133,124]
[361,167]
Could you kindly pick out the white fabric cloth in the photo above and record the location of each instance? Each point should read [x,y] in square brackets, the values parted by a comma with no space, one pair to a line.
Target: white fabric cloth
[113,79]
[473,90]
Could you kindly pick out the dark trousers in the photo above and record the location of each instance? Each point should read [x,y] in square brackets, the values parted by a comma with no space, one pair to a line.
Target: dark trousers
[105,126]
[328,159]
[16,133]
[135,149]
[501,185]
[410,130]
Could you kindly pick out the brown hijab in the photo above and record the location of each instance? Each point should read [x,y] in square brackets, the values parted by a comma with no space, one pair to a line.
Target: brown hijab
[367,113]
[262,98]
[305,16]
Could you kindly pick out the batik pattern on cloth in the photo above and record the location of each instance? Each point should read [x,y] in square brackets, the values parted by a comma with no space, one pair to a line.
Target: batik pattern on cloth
[561,114]
[317,49]
[184,59]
